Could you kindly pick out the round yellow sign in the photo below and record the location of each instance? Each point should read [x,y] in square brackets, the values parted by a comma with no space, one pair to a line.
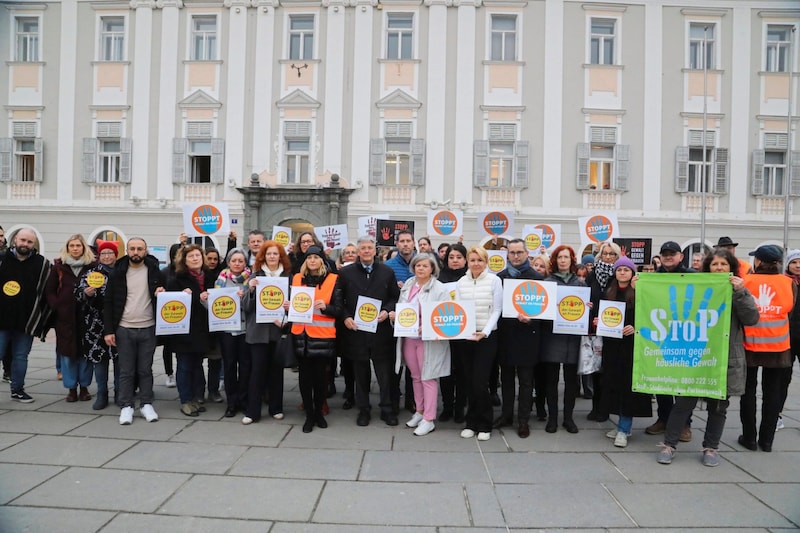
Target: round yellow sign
[533,242]
[224,307]
[301,302]
[271,297]
[173,312]
[611,317]
[95,280]
[281,238]
[571,308]
[407,317]
[496,263]
[11,288]
[367,312]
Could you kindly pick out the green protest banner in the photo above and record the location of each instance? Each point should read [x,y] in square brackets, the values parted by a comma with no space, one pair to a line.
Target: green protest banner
[682,327]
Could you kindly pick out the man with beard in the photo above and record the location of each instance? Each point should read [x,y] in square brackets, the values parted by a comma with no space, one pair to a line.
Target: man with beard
[129,324]
[23,308]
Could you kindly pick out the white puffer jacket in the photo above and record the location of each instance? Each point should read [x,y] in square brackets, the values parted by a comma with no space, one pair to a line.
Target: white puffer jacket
[487,292]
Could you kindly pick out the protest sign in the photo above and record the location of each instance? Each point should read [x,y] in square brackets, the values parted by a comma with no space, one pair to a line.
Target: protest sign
[551,235]
[301,305]
[445,223]
[572,316]
[497,260]
[368,225]
[366,315]
[224,310]
[282,235]
[200,220]
[173,312]
[448,320]
[530,298]
[610,319]
[406,320]
[388,230]
[597,228]
[271,292]
[332,237]
[495,223]
[638,250]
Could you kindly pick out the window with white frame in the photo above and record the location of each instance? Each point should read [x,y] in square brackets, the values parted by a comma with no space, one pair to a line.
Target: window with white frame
[24,159]
[603,163]
[27,39]
[297,145]
[692,175]
[112,38]
[397,159]
[701,45]
[21,155]
[504,38]
[301,36]
[204,37]
[778,44]
[502,160]
[771,167]
[399,35]
[200,161]
[602,41]
[774,171]
[699,169]
[107,156]
[198,157]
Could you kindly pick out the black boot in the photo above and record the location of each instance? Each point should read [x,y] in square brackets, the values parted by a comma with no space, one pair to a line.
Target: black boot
[100,401]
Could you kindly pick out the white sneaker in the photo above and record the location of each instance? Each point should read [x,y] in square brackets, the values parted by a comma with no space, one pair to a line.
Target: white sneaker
[612,434]
[126,416]
[246,420]
[780,424]
[278,416]
[149,413]
[621,440]
[467,433]
[415,420]
[484,435]
[424,427]
[170,382]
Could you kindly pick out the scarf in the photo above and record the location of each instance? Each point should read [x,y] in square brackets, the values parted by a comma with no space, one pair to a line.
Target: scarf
[311,280]
[235,279]
[75,264]
[603,272]
[272,273]
[794,278]
[517,272]
[199,277]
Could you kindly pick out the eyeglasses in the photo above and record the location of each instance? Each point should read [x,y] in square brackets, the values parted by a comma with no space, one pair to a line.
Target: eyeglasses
[607,254]
[306,242]
[107,252]
[515,252]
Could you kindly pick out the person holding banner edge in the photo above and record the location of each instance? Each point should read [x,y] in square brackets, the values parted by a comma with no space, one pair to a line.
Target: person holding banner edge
[743,313]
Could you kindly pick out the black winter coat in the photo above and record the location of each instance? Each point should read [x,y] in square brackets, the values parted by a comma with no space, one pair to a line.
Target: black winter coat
[382,285]
[198,340]
[519,343]
[117,291]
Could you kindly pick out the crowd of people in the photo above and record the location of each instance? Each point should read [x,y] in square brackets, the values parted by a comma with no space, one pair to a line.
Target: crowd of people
[101,304]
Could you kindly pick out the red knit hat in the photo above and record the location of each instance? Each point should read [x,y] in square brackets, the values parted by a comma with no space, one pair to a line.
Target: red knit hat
[107,245]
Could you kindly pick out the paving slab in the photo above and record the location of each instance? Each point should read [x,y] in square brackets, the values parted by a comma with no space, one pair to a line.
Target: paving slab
[539,468]
[105,489]
[784,498]
[16,480]
[179,457]
[560,505]
[773,467]
[676,506]
[288,463]
[452,467]
[245,498]
[43,423]
[345,436]
[61,520]
[65,451]
[10,439]
[136,523]
[685,468]
[446,438]
[107,426]
[484,507]
[40,400]
[410,504]
[287,527]
[264,433]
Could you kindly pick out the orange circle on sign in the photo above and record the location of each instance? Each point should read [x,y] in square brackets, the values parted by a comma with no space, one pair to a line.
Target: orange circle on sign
[173,312]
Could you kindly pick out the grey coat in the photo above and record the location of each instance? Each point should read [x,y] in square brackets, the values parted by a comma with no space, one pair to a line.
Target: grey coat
[743,313]
[436,362]
[256,333]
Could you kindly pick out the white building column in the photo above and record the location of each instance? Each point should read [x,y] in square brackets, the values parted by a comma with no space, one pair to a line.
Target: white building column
[363,61]
[465,101]
[334,90]
[553,102]
[263,101]
[140,99]
[739,152]
[68,57]
[235,166]
[651,144]
[436,101]
[171,54]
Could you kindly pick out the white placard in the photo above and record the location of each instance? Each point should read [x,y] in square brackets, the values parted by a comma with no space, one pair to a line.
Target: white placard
[282,235]
[530,298]
[598,228]
[368,225]
[497,260]
[496,223]
[451,288]
[610,319]
[301,305]
[224,309]
[366,315]
[572,307]
[332,237]
[271,292]
[406,320]
[206,219]
[448,320]
[173,312]
[445,223]
[533,239]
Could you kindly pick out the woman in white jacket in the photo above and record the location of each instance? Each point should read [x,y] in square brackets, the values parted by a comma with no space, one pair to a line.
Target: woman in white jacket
[426,360]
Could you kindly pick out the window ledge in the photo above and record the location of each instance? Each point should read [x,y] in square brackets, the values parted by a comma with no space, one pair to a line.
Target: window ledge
[599,66]
[288,61]
[400,186]
[202,61]
[779,74]
[19,63]
[501,62]
[385,60]
[110,62]
[710,71]
[509,188]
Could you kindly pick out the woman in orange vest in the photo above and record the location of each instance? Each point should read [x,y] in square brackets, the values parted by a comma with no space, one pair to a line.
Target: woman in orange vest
[766,345]
[315,343]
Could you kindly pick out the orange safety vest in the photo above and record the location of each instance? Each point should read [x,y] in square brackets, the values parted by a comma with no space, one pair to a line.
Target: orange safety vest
[771,333]
[745,268]
[322,327]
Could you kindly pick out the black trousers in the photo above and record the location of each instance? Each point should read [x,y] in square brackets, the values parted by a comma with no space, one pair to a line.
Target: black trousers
[772,382]
[349,379]
[313,382]
[237,359]
[478,359]
[509,374]
[552,371]
[384,374]
[266,373]
[540,383]
[452,387]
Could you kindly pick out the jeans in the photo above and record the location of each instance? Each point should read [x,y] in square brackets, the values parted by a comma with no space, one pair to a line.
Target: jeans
[237,363]
[190,366]
[682,410]
[478,358]
[772,381]
[266,373]
[508,377]
[20,344]
[625,424]
[136,347]
[214,370]
[75,372]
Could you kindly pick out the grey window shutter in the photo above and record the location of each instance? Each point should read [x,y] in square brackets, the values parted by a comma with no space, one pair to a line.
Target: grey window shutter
[89,160]
[584,152]
[794,185]
[757,185]
[125,149]
[521,166]
[377,162]
[6,151]
[38,159]
[682,169]
[480,163]
[622,166]
[418,161]
[721,171]
[179,159]
[217,160]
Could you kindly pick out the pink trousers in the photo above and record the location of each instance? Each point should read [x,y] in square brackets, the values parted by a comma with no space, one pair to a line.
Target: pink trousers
[426,393]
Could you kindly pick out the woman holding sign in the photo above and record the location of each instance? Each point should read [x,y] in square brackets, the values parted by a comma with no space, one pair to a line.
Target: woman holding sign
[315,342]
[454,397]
[477,354]
[427,360]
[267,367]
[192,278]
